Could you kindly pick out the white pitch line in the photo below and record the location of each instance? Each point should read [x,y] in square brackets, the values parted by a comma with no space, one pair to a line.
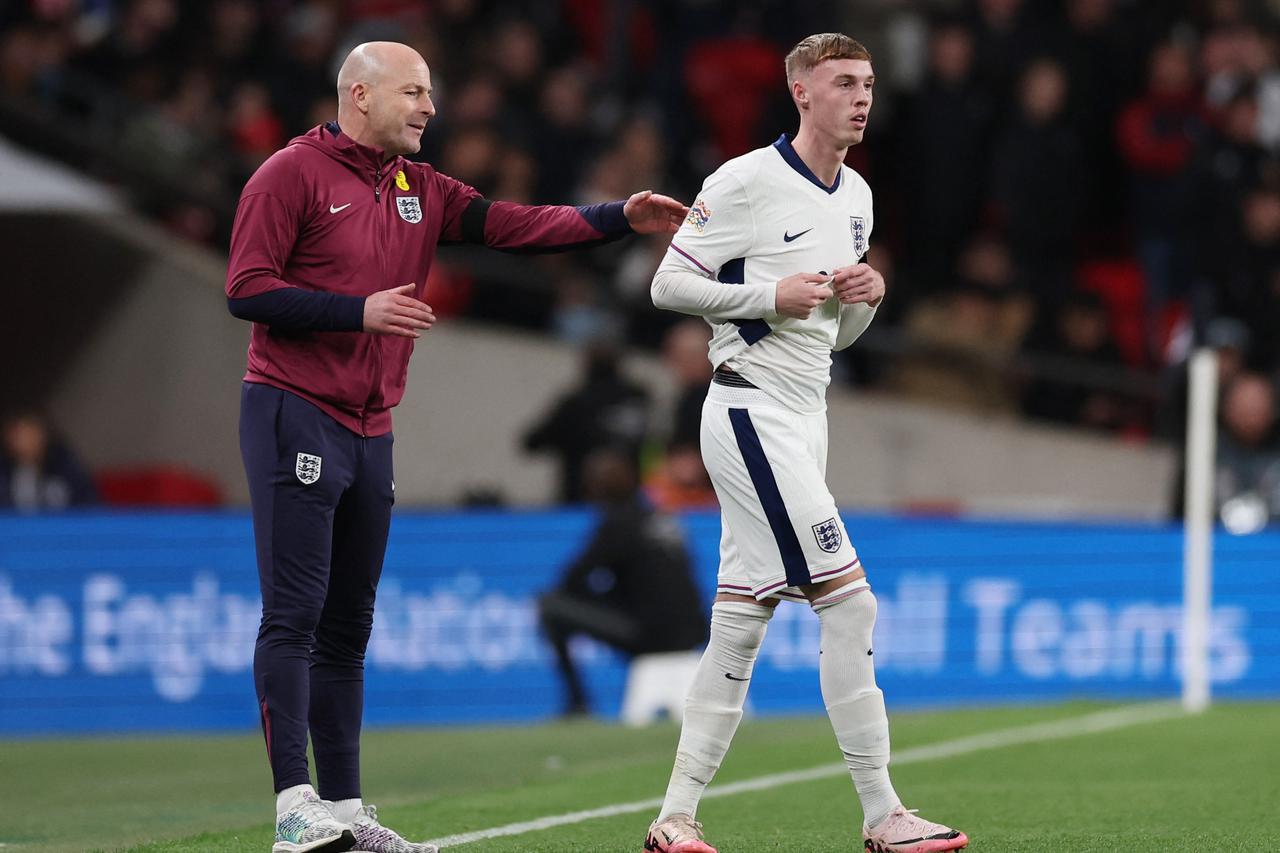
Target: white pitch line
[1102,721]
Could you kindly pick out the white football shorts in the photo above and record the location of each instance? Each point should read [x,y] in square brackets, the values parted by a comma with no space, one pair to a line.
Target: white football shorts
[779,525]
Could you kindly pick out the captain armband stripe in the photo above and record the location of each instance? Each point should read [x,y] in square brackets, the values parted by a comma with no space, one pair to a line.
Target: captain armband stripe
[473,220]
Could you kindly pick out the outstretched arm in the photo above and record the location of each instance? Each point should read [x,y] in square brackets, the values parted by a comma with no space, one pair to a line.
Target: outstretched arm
[530,229]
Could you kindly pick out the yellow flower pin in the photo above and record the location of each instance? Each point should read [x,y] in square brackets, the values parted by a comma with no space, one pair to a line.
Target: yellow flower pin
[401,181]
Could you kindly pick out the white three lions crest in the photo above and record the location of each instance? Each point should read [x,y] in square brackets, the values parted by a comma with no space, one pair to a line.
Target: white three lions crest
[308,468]
[828,535]
[859,229]
[410,208]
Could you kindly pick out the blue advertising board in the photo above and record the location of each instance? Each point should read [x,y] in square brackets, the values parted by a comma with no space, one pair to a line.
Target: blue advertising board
[146,622]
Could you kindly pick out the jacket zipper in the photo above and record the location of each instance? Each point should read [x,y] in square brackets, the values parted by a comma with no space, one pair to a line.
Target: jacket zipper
[377,343]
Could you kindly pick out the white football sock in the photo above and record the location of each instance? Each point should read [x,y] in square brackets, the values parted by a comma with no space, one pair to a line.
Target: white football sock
[854,703]
[345,811]
[713,708]
[290,797]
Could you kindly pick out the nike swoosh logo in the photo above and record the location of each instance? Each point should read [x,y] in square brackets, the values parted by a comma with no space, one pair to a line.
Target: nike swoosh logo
[731,678]
[333,209]
[941,836]
[787,238]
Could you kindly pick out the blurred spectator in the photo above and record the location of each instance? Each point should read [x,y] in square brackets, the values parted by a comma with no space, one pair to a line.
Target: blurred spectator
[1036,184]
[564,137]
[1246,483]
[1227,165]
[1233,53]
[1247,475]
[517,55]
[958,361]
[945,134]
[38,471]
[580,314]
[1078,337]
[1245,284]
[138,53]
[1097,50]
[1007,34]
[968,333]
[680,481]
[684,351]
[256,131]
[632,279]
[631,588]
[305,69]
[1157,134]
[606,410]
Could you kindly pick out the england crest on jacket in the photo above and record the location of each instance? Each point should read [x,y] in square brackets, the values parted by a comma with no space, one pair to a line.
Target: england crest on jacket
[410,208]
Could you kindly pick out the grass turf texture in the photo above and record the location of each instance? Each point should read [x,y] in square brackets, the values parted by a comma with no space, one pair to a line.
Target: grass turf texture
[1194,783]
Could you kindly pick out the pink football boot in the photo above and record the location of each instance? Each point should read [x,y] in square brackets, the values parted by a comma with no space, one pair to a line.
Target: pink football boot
[678,833]
[903,832]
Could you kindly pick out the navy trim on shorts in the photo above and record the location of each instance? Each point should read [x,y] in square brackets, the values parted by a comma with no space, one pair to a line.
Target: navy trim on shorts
[793,561]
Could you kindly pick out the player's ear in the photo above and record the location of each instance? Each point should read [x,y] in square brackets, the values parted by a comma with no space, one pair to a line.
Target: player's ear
[799,94]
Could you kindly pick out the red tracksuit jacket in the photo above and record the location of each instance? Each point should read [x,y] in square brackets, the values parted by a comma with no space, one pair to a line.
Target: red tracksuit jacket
[325,223]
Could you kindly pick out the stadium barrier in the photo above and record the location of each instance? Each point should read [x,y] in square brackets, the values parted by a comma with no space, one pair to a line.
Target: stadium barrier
[146,622]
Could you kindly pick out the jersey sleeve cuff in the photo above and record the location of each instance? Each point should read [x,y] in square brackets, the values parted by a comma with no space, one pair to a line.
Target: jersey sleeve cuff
[607,218]
[349,313]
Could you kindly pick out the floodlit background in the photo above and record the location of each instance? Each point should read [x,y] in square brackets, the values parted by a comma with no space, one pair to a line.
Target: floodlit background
[1070,196]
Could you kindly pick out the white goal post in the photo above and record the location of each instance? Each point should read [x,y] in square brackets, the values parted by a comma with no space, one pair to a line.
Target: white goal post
[1198,525]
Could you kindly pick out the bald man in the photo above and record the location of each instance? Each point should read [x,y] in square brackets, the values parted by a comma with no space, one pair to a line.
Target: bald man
[333,241]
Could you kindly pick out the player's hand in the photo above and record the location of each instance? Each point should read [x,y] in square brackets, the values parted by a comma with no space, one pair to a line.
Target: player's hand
[650,213]
[397,312]
[797,295]
[858,283]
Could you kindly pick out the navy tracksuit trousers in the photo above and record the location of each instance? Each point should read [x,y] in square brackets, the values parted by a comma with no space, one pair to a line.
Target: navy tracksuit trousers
[322,499]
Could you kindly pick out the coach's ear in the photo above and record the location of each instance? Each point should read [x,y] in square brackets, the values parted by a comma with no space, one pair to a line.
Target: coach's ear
[360,96]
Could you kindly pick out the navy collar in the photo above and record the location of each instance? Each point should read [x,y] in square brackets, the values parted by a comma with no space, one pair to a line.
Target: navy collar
[372,155]
[793,160]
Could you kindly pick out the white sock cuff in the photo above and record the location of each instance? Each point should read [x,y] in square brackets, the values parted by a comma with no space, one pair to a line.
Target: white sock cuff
[845,592]
[290,797]
[346,810]
[737,610]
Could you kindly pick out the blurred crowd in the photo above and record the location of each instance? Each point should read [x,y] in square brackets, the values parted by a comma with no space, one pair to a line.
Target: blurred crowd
[1069,193]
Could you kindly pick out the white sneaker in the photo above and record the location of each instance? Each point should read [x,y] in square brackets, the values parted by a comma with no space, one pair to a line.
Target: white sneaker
[373,837]
[310,827]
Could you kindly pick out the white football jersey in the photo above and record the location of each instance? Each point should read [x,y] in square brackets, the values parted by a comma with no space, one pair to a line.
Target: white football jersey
[760,218]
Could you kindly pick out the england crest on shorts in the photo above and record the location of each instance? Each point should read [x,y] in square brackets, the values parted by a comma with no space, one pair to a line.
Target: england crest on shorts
[857,225]
[828,535]
[308,468]
[410,208]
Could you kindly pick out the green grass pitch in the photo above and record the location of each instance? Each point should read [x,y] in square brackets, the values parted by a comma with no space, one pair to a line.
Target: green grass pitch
[1204,783]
